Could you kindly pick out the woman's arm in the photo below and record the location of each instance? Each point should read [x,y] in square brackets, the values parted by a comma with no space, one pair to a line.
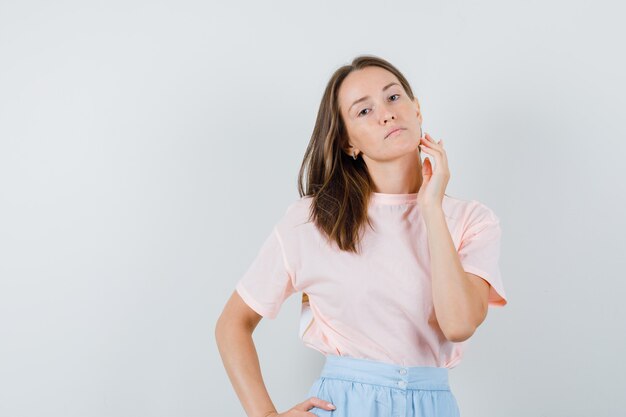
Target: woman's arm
[233,334]
[459,298]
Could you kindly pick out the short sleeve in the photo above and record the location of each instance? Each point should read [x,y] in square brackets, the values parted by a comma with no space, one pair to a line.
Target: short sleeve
[267,282]
[479,251]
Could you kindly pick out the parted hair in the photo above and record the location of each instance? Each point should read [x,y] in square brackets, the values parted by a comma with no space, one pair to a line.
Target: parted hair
[339,185]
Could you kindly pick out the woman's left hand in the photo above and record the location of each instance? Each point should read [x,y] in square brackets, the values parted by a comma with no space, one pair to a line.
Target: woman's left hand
[434,184]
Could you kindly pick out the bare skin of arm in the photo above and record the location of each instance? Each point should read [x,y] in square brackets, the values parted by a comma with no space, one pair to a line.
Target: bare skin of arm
[233,334]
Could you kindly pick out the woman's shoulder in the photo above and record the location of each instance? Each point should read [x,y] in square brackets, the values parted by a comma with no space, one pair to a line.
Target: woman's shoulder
[465,209]
[296,213]
[299,205]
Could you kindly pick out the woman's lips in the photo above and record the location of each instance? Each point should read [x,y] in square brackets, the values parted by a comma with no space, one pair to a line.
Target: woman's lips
[394,132]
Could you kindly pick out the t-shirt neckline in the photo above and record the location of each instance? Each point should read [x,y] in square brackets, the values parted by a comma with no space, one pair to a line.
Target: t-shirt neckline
[387,198]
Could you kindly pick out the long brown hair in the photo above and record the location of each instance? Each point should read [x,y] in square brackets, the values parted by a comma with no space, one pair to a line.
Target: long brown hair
[339,185]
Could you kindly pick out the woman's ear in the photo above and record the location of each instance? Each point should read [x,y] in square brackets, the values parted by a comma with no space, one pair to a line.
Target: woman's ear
[351,151]
[417,104]
[417,109]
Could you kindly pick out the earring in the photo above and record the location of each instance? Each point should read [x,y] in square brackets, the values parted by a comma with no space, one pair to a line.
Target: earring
[354,155]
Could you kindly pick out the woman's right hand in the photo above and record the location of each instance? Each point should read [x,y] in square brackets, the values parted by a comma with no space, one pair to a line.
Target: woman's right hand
[302,409]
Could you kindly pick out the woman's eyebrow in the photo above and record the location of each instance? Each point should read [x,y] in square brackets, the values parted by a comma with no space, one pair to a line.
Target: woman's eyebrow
[366,97]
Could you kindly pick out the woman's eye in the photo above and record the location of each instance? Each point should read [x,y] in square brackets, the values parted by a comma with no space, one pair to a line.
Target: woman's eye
[361,112]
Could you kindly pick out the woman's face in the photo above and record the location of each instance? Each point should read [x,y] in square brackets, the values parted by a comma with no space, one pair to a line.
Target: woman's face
[386,106]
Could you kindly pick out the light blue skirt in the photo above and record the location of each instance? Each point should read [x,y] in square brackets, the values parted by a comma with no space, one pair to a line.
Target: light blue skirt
[367,388]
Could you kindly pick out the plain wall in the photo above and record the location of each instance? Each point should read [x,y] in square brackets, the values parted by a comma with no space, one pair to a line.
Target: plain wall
[147,148]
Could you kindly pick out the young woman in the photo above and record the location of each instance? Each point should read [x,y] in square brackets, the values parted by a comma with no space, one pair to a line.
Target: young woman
[395,274]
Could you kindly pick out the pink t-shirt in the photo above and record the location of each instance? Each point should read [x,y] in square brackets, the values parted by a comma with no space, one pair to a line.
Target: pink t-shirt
[377,305]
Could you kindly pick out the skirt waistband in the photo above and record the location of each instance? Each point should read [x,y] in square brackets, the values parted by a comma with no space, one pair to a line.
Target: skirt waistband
[386,374]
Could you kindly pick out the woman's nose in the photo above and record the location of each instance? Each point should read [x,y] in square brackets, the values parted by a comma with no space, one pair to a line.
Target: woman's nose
[388,116]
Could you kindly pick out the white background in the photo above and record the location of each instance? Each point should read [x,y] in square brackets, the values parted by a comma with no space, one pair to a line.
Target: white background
[147,149]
